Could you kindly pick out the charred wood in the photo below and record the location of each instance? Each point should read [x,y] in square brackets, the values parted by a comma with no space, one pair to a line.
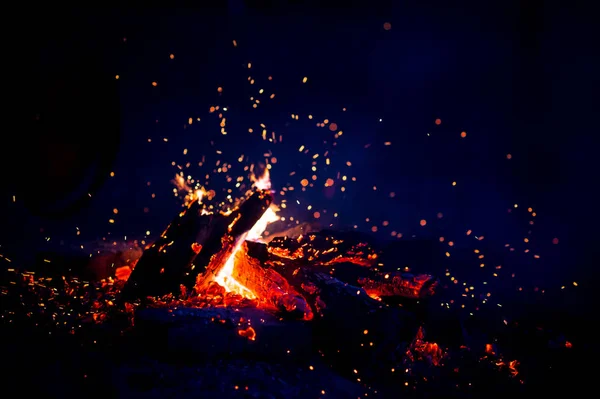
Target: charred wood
[187,246]
[405,285]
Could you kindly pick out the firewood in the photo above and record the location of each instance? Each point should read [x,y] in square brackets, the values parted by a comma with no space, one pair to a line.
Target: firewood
[265,284]
[346,320]
[187,246]
[405,285]
[160,269]
[268,285]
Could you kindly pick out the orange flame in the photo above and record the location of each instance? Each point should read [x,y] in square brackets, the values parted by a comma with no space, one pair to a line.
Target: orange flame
[191,195]
[225,276]
[256,232]
[225,279]
[263,182]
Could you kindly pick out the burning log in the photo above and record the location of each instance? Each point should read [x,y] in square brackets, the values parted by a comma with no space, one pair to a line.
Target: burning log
[350,262]
[345,317]
[405,285]
[188,244]
[268,285]
[244,274]
[324,248]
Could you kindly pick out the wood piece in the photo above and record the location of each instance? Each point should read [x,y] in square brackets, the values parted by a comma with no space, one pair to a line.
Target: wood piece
[187,246]
[405,285]
[265,284]
[352,330]
[268,285]
[217,261]
[325,248]
[239,222]
[159,271]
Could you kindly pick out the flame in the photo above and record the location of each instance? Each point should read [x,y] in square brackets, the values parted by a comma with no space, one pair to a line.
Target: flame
[198,194]
[182,186]
[263,182]
[225,276]
[225,279]
[256,232]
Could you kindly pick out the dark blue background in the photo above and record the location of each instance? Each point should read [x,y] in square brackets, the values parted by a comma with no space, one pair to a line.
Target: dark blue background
[518,78]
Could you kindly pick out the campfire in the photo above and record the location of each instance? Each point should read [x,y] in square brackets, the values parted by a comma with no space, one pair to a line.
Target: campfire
[218,260]
[217,284]
[205,251]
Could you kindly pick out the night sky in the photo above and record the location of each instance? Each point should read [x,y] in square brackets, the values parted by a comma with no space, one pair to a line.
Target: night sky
[519,79]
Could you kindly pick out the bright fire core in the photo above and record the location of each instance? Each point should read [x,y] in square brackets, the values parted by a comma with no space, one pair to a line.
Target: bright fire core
[225,276]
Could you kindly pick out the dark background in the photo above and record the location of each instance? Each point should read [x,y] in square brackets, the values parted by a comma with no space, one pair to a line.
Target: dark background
[518,77]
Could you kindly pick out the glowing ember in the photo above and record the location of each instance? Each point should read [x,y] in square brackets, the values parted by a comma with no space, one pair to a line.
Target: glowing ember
[429,352]
[123,273]
[248,333]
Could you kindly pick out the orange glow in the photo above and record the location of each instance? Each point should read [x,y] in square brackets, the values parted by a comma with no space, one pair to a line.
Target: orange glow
[387,26]
[463,134]
[224,276]
[248,333]
[123,273]
[196,247]
[270,216]
[512,366]
[420,349]
[438,121]
[423,222]
[263,182]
